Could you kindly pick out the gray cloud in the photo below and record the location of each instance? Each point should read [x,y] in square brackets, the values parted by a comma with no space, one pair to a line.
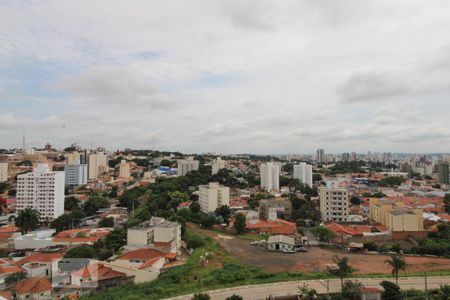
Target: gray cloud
[366,87]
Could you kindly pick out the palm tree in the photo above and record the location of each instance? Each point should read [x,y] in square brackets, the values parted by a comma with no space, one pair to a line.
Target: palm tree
[444,292]
[398,264]
[352,290]
[305,293]
[342,270]
[27,219]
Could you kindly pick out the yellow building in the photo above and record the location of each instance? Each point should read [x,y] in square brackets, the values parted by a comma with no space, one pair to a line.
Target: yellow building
[124,169]
[395,215]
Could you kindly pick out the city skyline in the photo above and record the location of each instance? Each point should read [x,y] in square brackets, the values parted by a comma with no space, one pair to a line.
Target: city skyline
[229,77]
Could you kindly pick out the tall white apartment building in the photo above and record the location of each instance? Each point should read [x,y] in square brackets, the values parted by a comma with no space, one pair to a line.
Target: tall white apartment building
[97,164]
[124,169]
[270,176]
[212,196]
[334,204]
[217,164]
[320,156]
[76,174]
[3,171]
[304,173]
[42,190]
[187,165]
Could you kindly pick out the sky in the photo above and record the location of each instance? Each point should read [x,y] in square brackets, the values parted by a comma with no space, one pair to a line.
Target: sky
[232,76]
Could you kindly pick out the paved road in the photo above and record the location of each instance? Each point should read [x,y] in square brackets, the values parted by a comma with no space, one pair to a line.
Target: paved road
[257,292]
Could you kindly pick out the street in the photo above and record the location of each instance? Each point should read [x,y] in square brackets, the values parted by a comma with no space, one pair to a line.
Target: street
[256,292]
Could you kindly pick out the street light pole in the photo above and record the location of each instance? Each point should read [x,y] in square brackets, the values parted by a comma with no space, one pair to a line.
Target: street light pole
[327,286]
[426,287]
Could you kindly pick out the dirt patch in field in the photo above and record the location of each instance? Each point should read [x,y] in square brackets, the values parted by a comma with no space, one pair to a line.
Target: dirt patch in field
[317,259]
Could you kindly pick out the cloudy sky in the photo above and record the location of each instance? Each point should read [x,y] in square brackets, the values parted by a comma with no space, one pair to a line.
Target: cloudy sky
[227,76]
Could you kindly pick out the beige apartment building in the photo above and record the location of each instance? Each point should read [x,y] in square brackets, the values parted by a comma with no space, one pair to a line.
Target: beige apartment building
[97,164]
[124,169]
[395,215]
[334,204]
[157,233]
[212,196]
[3,171]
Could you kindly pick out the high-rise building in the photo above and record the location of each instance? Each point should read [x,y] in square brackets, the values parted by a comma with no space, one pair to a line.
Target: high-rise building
[320,156]
[212,196]
[334,204]
[187,165]
[76,174]
[443,169]
[73,158]
[124,169]
[303,172]
[42,190]
[97,164]
[270,176]
[217,164]
[3,171]
[345,156]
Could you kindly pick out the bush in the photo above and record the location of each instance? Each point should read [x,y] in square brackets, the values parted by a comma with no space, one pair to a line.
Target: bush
[194,240]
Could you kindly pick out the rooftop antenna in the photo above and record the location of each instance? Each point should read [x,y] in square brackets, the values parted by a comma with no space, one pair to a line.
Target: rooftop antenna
[153,144]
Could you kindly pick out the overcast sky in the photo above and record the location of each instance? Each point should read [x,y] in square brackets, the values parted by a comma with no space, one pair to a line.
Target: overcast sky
[227,76]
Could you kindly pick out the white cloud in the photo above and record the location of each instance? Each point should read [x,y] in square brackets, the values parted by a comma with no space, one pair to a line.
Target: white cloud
[229,76]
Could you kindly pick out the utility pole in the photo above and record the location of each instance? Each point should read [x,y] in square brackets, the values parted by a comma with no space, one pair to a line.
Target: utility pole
[426,287]
[327,286]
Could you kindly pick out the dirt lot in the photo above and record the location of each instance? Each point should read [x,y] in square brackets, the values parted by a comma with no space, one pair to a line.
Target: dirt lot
[316,259]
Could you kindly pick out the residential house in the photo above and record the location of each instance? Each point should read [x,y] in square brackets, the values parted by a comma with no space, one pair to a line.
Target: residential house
[280,243]
[33,288]
[99,277]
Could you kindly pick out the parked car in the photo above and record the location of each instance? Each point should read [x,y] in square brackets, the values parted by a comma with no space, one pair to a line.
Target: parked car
[286,251]
[254,243]
[301,249]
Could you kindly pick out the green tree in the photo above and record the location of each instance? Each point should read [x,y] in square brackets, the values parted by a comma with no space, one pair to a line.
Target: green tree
[225,212]
[234,297]
[94,203]
[317,177]
[201,296]
[391,291]
[208,221]
[444,292]
[116,239]
[447,203]
[15,277]
[306,293]
[355,200]
[193,240]
[194,207]
[71,203]
[239,223]
[397,264]
[342,269]
[323,233]
[82,251]
[27,219]
[352,290]
[106,222]
[63,222]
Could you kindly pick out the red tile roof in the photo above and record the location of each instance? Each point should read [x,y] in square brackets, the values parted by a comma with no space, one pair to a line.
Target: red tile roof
[10,270]
[33,285]
[98,272]
[149,263]
[40,257]
[276,227]
[141,254]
